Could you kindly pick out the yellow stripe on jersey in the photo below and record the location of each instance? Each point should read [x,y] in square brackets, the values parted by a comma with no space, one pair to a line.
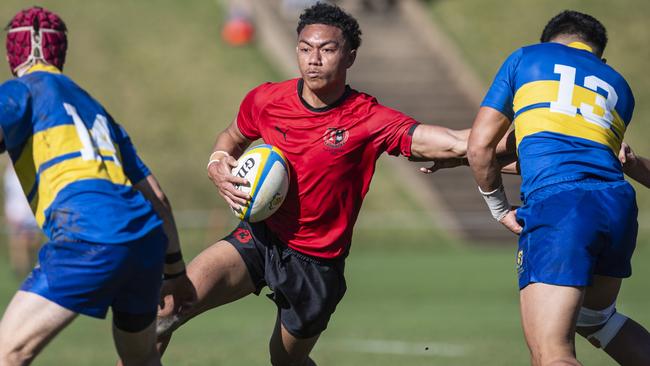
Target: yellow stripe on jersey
[57,177]
[50,144]
[54,142]
[546,91]
[543,120]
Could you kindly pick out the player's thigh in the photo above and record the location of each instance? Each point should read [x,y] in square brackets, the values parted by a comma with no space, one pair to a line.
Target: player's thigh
[287,350]
[30,322]
[219,275]
[548,315]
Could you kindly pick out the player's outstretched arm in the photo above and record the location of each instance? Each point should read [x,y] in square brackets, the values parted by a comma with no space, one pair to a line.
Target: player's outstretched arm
[432,142]
[489,128]
[634,166]
[229,146]
[447,148]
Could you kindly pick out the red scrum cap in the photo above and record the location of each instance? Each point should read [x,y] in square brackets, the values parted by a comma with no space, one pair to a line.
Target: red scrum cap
[36,34]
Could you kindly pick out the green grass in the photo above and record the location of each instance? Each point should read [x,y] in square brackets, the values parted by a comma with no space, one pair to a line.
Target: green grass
[429,295]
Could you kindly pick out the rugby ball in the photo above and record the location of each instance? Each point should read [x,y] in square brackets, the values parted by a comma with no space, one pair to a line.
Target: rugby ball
[267,172]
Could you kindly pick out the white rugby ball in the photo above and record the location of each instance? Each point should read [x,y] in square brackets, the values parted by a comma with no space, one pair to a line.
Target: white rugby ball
[267,172]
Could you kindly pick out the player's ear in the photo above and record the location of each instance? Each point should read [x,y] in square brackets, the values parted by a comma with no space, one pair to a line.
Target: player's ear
[352,55]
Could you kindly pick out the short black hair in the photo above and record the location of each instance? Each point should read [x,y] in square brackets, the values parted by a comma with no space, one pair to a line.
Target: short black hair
[322,13]
[585,26]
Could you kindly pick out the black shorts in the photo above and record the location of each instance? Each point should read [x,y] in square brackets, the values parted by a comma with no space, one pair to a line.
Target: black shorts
[305,289]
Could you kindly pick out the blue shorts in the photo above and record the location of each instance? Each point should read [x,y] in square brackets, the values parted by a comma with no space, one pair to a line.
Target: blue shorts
[88,278]
[572,231]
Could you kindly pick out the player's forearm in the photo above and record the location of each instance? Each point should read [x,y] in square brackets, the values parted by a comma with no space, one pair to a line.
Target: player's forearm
[507,146]
[155,195]
[164,210]
[174,262]
[486,139]
[485,167]
[231,141]
[640,171]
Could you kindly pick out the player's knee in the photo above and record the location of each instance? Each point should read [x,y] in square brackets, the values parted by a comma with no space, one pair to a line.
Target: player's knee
[133,323]
[599,327]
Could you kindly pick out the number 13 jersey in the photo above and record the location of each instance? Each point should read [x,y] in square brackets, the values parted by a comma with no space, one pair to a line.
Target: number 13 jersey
[75,164]
[570,112]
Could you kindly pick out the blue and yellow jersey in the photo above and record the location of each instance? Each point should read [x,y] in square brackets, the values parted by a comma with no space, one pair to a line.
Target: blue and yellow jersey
[570,112]
[75,164]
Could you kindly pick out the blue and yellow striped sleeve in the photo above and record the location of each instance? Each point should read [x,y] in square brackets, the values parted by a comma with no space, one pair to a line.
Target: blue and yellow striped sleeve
[501,94]
[15,101]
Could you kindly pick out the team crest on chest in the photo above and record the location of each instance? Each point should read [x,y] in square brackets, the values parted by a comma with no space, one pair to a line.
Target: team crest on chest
[335,137]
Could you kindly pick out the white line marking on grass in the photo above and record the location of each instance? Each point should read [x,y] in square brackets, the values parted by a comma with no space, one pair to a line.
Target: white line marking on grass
[379,346]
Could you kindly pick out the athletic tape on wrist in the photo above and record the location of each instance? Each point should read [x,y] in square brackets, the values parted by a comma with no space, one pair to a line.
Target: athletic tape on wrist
[497,202]
[213,160]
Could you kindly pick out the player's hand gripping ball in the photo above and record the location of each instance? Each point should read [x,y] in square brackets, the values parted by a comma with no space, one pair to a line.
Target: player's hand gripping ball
[267,171]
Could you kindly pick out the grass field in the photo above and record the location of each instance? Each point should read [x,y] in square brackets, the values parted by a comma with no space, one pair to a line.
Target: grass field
[162,72]
[460,303]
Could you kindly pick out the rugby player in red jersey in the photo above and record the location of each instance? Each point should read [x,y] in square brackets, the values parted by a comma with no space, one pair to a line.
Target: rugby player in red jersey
[332,136]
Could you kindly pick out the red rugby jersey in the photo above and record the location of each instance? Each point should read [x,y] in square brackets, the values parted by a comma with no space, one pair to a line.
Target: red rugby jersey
[331,152]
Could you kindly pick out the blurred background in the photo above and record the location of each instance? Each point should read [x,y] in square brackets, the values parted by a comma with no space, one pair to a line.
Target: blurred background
[431,279]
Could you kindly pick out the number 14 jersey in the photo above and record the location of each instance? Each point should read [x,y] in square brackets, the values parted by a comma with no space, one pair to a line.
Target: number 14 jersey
[570,112]
[75,164]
